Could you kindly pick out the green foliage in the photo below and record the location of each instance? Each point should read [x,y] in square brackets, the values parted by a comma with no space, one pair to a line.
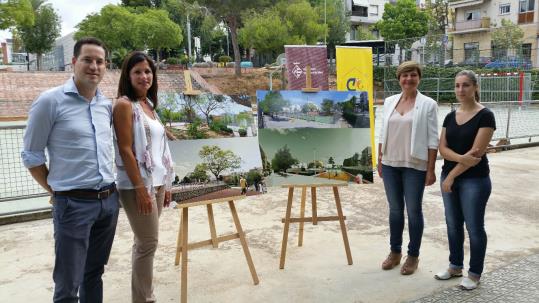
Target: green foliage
[403,20]
[217,160]
[16,13]
[118,56]
[438,11]
[337,20]
[308,107]
[273,103]
[266,165]
[143,3]
[315,164]
[225,59]
[283,160]
[194,131]
[289,22]
[156,31]
[173,60]
[352,161]
[242,132]
[39,38]
[254,176]
[327,106]
[366,157]
[199,174]
[508,35]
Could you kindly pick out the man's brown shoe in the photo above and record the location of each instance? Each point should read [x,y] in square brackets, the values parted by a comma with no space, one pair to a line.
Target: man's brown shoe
[410,265]
[392,260]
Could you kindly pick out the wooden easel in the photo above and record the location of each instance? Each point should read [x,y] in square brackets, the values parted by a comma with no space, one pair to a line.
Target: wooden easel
[183,246]
[314,218]
[189,84]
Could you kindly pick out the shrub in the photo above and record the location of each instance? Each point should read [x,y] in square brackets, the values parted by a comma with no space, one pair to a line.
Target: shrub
[173,60]
[225,59]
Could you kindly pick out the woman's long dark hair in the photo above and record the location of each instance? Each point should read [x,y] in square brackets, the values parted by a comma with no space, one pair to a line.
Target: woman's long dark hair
[125,88]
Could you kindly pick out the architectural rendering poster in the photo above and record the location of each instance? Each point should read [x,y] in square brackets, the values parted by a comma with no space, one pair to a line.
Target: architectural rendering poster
[297,59]
[355,73]
[312,138]
[217,144]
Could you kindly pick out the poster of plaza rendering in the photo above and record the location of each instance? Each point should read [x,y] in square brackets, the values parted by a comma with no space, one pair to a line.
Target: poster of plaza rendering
[217,144]
[324,109]
[304,138]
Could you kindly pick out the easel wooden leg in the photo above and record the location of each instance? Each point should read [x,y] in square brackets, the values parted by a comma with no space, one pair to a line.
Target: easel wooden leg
[185,224]
[343,226]
[313,201]
[286,226]
[302,214]
[211,221]
[243,242]
[179,241]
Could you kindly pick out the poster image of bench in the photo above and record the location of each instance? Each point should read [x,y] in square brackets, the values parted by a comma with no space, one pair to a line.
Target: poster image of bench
[216,147]
[324,109]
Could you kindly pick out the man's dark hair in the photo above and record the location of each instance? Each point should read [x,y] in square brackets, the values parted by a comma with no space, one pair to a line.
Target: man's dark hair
[87,40]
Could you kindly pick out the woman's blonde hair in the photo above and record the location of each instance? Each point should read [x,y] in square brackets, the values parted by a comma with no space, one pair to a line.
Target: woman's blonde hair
[408,66]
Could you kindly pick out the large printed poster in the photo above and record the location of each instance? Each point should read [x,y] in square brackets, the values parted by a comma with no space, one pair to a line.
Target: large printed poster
[297,59]
[355,73]
[314,138]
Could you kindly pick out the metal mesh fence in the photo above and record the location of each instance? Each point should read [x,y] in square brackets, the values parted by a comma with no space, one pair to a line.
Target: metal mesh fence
[15,180]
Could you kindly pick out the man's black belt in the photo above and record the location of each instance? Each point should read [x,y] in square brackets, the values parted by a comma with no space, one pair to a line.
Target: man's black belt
[92,194]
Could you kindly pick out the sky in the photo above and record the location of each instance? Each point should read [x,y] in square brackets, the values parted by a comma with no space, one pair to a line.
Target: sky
[71,12]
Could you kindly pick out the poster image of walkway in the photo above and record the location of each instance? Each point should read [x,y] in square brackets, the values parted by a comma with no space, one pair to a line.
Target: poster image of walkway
[207,116]
[324,109]
[216,166]
[300,156]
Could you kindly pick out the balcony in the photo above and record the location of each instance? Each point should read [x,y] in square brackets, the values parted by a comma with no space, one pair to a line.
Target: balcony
[461,27]
[464,3]
[525,17]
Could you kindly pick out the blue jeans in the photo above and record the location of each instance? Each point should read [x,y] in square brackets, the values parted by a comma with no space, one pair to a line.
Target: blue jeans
[404,186]
[83,233]
[466,204]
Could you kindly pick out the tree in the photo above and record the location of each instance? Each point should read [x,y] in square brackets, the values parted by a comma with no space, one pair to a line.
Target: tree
[113,25]
[39,38]
[217,160]
[266,165]
[266,32]
[338,23]
[199,174]
[207,103]
[230,12]
[143,3]
[156,31]
[315,164]
[508,36]
[283,160]
[366,157]
[309,107]
[16,13]
[403,20]
[327,106]
[168,107]
[352,161]
[332,162]
[273,103]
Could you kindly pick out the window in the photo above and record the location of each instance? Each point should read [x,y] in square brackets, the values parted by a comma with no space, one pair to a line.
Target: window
[471,52]
[360,11]
[505,8]
[526,5]
[471,15]
[527,51]
[373,10]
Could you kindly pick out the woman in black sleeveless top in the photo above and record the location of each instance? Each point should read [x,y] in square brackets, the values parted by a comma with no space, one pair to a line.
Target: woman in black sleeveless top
[465,178]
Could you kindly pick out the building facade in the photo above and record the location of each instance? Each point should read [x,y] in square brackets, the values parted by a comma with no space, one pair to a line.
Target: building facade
[474,22]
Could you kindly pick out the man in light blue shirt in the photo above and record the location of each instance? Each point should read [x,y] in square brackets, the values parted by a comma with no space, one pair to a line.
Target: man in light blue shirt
[73,122]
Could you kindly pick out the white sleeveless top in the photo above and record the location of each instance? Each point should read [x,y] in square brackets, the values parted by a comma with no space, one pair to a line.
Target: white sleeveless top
[157,131]
[399,138]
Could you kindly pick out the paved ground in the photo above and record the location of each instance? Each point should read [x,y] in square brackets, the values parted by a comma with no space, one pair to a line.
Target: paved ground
[318,271]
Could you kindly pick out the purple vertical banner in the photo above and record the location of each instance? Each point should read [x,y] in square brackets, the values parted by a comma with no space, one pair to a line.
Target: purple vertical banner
[297,59]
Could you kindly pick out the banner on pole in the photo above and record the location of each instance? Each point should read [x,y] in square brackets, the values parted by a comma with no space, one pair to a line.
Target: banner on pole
[297,59]
[355,73]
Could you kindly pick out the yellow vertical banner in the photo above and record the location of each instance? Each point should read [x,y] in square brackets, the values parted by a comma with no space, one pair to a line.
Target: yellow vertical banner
[355,73]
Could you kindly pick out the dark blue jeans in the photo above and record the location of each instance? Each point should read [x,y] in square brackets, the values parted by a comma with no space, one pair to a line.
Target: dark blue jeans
[83,233]
[404,186]
[466,204]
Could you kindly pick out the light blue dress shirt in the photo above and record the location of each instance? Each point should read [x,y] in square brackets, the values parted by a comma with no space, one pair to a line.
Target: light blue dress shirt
[77,136]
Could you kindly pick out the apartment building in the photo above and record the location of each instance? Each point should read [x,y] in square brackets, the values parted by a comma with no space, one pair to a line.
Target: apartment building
[474,21]
[364,13]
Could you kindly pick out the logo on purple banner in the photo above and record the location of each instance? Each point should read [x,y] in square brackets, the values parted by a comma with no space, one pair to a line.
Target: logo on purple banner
[297,59]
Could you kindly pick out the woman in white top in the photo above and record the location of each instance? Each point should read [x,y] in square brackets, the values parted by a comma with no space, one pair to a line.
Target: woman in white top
[406,156]
[144,165]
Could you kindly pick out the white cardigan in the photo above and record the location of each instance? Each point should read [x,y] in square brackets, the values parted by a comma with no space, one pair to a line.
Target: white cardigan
[424,125]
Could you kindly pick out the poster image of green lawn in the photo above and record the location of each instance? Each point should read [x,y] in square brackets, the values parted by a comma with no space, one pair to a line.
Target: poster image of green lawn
[316,156]
[324,109]
[206,116]
[207,166]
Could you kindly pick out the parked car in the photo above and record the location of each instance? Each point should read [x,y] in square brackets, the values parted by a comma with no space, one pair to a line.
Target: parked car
[475,61]
[510,62]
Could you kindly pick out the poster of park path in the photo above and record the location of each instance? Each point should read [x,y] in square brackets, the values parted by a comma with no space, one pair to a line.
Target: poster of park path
[297,59]
[312,155]
[324,109]
[216,146]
